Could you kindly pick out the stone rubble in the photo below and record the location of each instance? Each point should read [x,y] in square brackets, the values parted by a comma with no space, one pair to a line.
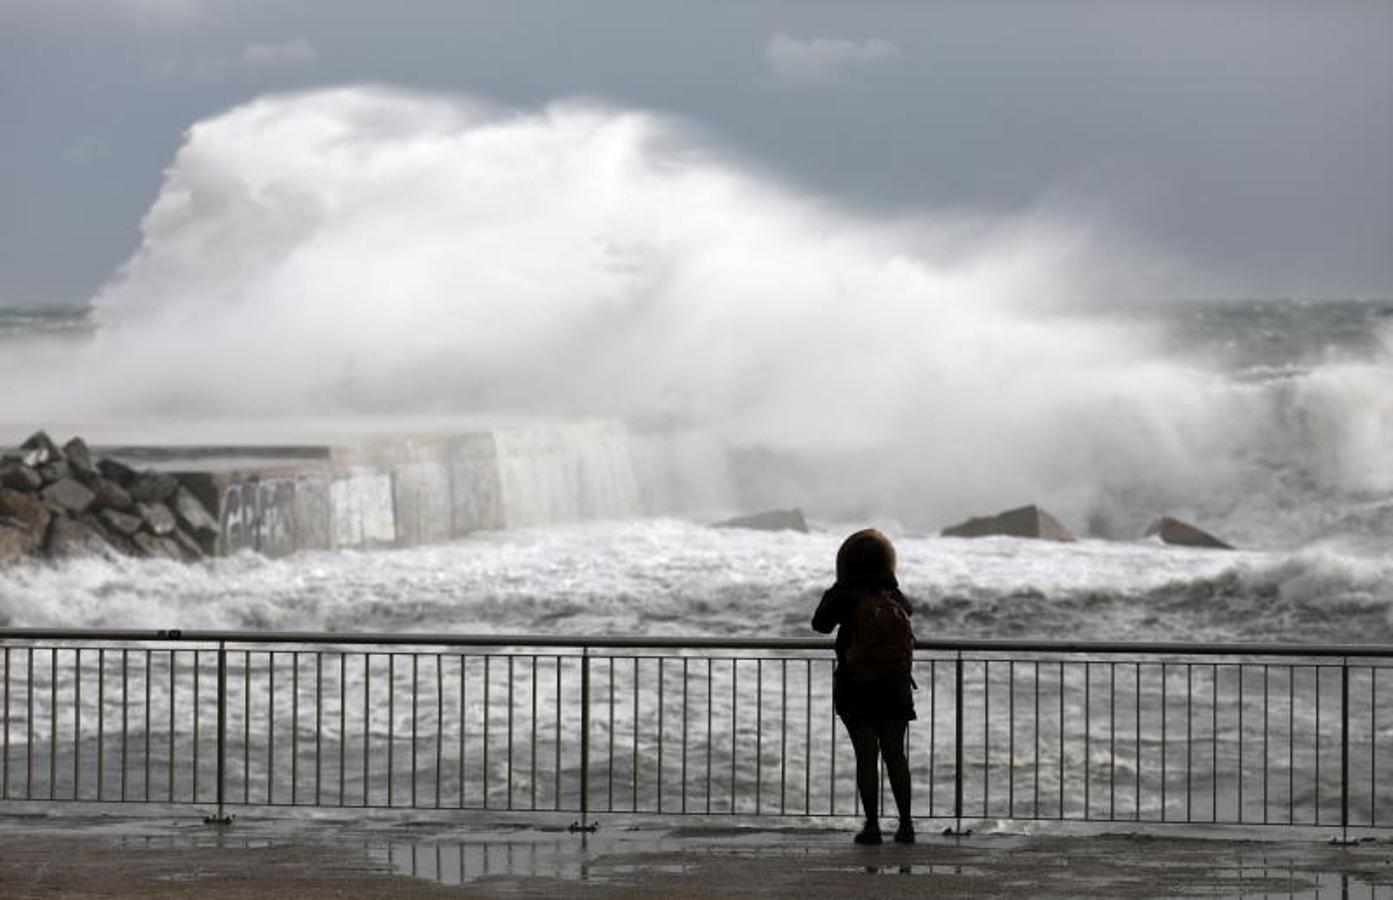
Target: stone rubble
[58,502]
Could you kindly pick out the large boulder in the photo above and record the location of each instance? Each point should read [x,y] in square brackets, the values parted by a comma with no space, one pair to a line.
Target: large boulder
[55,470]
[70,495]
[153,487]
[1022,522]
[1174,531]
[19,477]
[120,522]
[769,520]
[157,517]
[79,459]
[194,517]
[157,547]
[111,495]
[38,449]
[16,542]
[77,537]
[26,509]
[116,471]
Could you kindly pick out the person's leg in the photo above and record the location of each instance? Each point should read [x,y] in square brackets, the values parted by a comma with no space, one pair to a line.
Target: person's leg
[890,733]
[866,745]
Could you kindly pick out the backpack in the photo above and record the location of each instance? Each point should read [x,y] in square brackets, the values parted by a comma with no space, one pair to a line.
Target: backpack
[882,640]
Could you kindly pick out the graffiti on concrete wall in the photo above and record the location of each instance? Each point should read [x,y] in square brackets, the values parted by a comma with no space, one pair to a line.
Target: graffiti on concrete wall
[362,510]
[259,515]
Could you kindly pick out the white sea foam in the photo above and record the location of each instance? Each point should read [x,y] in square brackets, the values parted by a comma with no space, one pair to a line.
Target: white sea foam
[667,576]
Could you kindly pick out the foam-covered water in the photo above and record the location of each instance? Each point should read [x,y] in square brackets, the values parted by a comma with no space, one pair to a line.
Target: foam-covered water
[668,576]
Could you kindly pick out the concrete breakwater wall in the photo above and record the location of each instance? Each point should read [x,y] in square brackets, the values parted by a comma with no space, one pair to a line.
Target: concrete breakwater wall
[410,490]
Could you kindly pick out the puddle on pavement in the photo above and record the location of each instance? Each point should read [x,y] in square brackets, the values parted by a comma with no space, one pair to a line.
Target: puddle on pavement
[1275,880]
[459,863]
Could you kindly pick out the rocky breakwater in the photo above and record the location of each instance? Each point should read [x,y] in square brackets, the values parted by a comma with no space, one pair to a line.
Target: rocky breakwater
[59,502]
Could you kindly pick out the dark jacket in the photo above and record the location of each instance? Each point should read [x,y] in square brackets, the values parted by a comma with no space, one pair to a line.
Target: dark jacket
[851,698]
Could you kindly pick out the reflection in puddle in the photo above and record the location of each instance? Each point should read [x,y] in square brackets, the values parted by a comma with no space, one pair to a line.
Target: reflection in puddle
[452,860]
[465,861]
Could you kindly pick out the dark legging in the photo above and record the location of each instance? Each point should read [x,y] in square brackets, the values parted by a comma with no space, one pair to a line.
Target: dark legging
[872,738]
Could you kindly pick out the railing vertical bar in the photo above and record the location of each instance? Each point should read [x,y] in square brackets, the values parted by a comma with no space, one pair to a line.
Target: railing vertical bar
[684,732]
[197,667]
[532,754]
[29,729]
[1087,740]
[246,726]
[633,769]
[759,735]
[391,729]
[1136,736]
[148,727]
[367,728]
[415,725]
[1011,740]
[609,750]
[125,718]
[1061,739]
[1112,741]
[832,755]
[77,720]
[808,738]
[1214,745]
[271,726]
[1266,677]
[1165,710]
[295,728]
[933,731]
[52,723]
[1189,735]
[343,725]
[986,737]
[222,732]
[1239,773]
[1291,745]
[558,732]
[585,737]
[318,727]
[958,742]
[1344,750]
[5,758]
[1316,737]
[101,721]
[710,738]
[488,688]
[661,691]
[464,725]
[1373,746]
[173,664]
[783,732]
[509,779]
[734,720]
[1035,743]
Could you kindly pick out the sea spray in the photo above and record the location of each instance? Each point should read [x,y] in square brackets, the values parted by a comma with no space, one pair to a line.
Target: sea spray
[361,250]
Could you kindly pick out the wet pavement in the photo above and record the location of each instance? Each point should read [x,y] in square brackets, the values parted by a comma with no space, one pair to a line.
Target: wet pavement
[69,857]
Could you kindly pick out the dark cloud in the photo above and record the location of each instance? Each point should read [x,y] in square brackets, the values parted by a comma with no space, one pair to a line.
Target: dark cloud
[1252,139]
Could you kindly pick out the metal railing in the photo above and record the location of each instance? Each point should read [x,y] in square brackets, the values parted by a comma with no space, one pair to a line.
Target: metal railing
[1008,730]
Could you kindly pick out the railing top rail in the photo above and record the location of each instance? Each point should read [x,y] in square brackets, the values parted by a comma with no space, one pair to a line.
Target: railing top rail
[952,645]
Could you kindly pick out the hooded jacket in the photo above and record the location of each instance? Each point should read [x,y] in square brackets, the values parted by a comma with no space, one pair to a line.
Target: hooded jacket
[865,566]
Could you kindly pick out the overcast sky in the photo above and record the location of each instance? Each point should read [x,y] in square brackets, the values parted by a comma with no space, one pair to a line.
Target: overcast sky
[1253,139]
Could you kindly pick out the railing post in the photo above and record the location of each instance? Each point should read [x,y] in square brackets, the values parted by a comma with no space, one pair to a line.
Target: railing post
[1344,751]
[584,826]
[958,745]
[221,817]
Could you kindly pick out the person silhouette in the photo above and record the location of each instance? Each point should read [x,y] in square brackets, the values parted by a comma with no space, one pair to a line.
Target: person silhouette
[872,688]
